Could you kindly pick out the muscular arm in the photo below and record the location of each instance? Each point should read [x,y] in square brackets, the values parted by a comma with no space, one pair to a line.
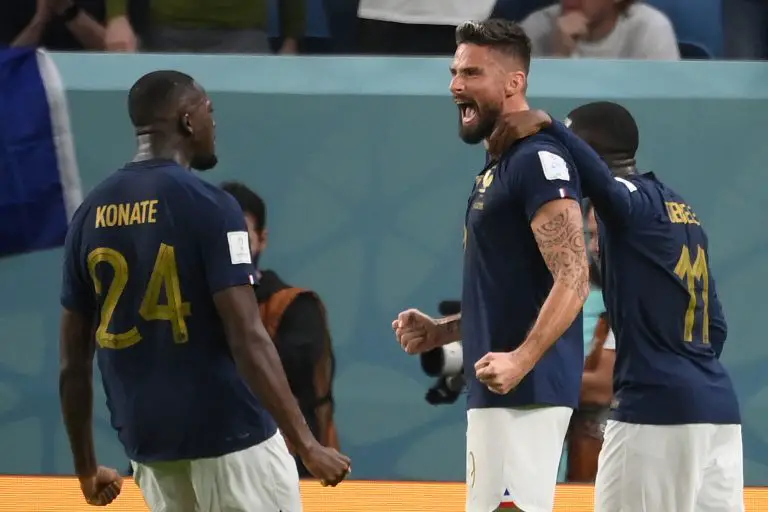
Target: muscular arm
[76,349]
[259,364]
[559,231]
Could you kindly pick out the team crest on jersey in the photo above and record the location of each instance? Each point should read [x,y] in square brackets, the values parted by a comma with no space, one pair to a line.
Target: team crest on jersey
[485,180]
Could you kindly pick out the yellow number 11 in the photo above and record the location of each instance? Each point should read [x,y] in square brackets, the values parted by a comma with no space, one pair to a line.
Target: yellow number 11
[692,273]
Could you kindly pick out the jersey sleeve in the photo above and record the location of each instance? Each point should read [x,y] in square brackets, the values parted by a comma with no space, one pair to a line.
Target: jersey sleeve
[718,328]
[610,341]
[544,175]
[77,292]
[616,200]
[225,247]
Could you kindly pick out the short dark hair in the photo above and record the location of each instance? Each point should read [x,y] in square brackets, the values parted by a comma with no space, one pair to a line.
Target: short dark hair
[156,94]
[608,127]
[249,202]
[503,35]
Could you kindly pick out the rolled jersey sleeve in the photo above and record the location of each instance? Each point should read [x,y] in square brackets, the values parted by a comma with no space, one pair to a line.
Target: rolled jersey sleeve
[77,292]
[224,244]
[544,175]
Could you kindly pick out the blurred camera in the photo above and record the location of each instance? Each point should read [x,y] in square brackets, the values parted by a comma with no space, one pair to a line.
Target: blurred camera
[446,363]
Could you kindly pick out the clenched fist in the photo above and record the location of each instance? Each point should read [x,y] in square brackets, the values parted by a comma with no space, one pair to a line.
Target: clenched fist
[102,488]
[501,372]
[416,332]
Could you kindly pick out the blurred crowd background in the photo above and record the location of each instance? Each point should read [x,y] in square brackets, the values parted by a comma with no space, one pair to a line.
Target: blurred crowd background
[634,29]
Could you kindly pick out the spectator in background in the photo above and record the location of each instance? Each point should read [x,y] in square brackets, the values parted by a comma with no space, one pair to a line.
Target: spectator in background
[415,27]
[295,319]
[204,26]
[64,25]
[610,29]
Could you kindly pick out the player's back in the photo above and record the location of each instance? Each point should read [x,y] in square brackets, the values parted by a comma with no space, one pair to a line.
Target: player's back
[669,325]
[171,383]
[506,280]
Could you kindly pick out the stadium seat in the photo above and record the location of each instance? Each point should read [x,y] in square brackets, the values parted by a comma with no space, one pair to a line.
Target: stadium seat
[696,22]
[693,51]
[518,10]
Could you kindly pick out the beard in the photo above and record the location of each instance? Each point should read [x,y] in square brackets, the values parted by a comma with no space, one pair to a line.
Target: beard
[204,162]
[483,125]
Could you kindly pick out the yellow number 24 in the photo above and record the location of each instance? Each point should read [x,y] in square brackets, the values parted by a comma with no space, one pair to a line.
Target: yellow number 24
[164,274]
[691,273]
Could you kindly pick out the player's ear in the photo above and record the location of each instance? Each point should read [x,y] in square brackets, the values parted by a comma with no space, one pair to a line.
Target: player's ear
[185,124]
[516,83]
[264,238]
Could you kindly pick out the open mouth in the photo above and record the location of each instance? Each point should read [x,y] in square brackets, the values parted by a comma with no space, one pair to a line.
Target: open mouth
[467,111]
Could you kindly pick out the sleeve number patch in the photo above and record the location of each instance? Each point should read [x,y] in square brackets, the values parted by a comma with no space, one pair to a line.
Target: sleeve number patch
[239,248]
[553,166]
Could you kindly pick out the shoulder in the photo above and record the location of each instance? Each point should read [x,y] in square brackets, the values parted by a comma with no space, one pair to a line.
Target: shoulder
[541,141]
[205,200]
[217,196]
[541,151]
[644,17]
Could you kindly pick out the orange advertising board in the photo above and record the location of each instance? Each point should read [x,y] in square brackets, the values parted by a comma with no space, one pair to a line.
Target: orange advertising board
[62,494]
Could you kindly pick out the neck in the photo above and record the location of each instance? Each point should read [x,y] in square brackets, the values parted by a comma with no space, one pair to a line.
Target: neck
[158,145]
[498,142]
[603,27]
[622,169]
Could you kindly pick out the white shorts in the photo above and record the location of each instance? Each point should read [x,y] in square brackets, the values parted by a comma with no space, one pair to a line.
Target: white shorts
[262,477]
[512,457]
[680,468]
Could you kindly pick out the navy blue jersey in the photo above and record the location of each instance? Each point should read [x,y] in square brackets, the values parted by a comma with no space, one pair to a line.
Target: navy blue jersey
[145,252]
[661,300]
[506,280]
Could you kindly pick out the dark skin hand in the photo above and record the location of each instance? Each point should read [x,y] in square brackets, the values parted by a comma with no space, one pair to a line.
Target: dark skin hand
[100,485]
[514,126]
[258,362]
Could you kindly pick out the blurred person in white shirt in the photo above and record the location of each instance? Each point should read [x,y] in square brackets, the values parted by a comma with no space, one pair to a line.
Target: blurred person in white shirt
[608,29]
[416,27]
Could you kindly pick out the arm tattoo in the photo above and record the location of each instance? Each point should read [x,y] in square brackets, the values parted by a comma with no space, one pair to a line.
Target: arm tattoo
[450,326]
[561,242]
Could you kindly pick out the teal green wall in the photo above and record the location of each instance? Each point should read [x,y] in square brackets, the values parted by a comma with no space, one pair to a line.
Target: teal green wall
[366,183]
